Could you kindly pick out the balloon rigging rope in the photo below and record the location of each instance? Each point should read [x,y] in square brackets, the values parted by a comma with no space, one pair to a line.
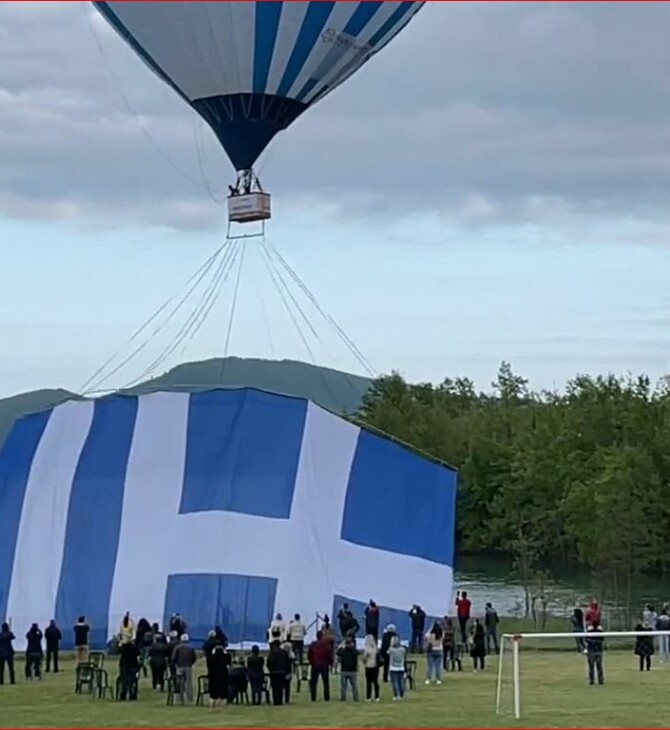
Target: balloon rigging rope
[95,381]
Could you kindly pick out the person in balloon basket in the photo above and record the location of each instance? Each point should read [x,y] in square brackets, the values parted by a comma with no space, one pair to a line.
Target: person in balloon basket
[7,654]
[53,638]
[594,653]
[279,668]
[320,656]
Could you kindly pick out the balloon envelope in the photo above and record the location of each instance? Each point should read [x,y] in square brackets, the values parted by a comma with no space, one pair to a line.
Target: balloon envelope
[250,69]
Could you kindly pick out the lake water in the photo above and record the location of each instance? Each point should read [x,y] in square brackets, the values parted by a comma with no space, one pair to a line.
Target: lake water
[492,580]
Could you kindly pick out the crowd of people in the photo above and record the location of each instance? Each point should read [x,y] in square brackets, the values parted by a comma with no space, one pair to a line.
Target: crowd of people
[170,655]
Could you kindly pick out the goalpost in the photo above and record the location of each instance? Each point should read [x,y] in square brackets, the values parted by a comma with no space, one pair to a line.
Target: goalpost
[517,639]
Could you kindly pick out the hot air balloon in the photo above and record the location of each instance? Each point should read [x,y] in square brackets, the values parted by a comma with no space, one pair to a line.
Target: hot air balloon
[250,69]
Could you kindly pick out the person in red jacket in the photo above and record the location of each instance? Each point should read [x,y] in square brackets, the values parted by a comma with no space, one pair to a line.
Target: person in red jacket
[593,614]
[463,608]
[320,657]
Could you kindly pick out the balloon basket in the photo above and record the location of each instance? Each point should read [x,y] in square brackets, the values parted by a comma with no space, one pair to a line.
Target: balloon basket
[252,207]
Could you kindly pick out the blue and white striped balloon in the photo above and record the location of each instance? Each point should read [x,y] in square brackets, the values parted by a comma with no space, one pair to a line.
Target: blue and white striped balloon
[250,69]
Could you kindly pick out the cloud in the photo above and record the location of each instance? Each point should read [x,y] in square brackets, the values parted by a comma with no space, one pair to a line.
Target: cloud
[478,113]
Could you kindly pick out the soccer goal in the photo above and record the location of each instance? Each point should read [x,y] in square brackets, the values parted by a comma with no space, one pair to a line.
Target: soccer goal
[536,647]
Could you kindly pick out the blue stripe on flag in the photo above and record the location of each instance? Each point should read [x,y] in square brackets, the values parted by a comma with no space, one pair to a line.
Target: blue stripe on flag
[268,17]
[16,458]
[390,24]
[94,518]
[242,452]
[365,12]
[241,605]
[313,24]
[416,516]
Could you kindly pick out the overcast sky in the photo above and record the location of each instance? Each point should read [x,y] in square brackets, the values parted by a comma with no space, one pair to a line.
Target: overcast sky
[495,184]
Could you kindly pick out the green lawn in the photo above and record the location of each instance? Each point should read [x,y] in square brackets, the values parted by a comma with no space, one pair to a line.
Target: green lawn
[554,694]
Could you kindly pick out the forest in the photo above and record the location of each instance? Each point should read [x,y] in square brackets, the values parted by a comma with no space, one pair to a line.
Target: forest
[574,478]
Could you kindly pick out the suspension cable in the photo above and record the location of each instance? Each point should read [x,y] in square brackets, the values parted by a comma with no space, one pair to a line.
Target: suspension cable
[231,319]
[192,284]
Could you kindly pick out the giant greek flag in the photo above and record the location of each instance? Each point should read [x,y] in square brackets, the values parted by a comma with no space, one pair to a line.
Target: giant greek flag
[227,506]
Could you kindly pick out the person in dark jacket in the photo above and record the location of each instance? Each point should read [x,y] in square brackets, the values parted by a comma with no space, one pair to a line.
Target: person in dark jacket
[279,667]
[7,654]
[372,620]
[320,657]
[81,634]
[218,675]
[159,655]
[34,652]
[594,653]
[221,637]
[53,638]
[210,643]
[347,621]
[129,669]
[644,648]
[577,623]
[387,637]
[348,656]
[255,673]
[417,616]
[478,645]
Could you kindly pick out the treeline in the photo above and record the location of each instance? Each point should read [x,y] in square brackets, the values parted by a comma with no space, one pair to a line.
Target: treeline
[578,478]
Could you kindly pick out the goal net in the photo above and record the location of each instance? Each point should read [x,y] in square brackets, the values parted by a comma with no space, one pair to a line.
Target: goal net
[553,673]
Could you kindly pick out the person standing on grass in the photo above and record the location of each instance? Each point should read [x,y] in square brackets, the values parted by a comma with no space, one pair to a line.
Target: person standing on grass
[491,622]
[594,653]
[255,673]
[279,667]
[53,637]
[434,654]
[577,622]
[82,632]
[348,656]
[183,658]
[417,617]
[129,669]
[478,646]
[448,643]
[663,624]
[218,663]
[372,661]
[296,634]
[159,655]
[644,648]
[34,653]
[463,609]
[321,657]
[387,638]
[397,668]
[593,614]
[7,654]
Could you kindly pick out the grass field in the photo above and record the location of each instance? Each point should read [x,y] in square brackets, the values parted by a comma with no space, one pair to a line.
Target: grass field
[554,694]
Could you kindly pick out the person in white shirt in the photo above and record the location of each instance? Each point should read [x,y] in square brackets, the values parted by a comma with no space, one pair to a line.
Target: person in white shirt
[277,630]
[296,635]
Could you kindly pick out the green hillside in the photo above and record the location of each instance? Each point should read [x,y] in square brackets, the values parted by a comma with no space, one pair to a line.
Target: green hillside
[332,389]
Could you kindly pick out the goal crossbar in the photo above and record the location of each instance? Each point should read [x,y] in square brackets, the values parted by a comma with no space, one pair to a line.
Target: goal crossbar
[517,638]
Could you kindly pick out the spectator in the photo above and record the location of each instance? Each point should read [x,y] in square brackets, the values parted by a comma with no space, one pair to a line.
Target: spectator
[255,673]
[372,661]
[387,639]
[594,653]
[434,654]
[82,632]
[53,638]
[279,666]
[397,656]
[491,622]
[348,656]
[7,654]
[478,646]
[417,618]
[183,658]
[372,620]
[159,656]
[34,653]
[347,621]
[129,669]
[448,643]
[218,663]
[320,657]
[296,633]
[463,609]
[644,648]
[577,622]
[277,630]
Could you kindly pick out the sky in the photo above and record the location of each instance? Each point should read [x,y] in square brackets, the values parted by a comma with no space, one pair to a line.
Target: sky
[494,185]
